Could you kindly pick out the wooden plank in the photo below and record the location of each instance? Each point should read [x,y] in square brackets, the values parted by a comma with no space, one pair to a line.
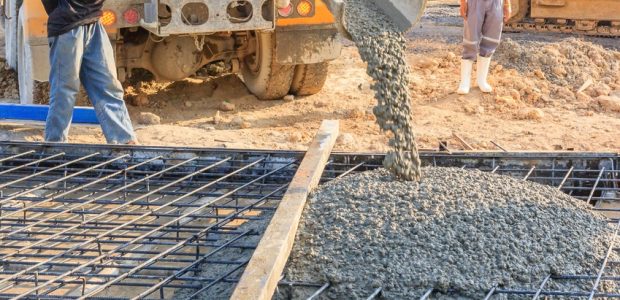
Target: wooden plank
[261,276]
[83,115]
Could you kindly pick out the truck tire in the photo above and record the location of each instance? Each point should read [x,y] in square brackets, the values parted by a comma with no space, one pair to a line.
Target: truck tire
[309,79]
[263,76]
[24,66]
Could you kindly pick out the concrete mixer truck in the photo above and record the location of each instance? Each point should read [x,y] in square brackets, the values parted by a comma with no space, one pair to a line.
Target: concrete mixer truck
[278,47]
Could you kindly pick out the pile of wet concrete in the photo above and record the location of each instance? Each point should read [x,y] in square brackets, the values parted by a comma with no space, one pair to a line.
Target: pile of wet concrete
[459,232]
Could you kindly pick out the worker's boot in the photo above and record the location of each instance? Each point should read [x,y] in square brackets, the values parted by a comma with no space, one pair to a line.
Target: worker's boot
[483,72]
[466,66]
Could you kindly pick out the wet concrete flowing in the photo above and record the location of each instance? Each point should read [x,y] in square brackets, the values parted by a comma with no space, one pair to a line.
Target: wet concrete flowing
[382,46]
[457,231]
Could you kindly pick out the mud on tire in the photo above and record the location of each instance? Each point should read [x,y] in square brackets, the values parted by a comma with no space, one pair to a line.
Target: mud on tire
[309,79]
[262,75]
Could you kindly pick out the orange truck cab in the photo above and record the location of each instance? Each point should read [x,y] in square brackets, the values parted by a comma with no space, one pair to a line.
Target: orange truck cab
[279,47]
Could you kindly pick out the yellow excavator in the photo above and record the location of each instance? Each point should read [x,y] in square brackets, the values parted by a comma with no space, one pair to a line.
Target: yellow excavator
[587,17]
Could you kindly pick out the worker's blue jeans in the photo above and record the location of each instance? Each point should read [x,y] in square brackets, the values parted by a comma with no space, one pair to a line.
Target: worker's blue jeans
[85,55]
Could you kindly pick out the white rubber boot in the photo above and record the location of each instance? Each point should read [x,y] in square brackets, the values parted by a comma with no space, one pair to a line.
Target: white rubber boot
[466,66]
[483,72]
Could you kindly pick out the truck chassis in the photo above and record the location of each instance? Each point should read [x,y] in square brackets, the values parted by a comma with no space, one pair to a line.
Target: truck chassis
[277,51]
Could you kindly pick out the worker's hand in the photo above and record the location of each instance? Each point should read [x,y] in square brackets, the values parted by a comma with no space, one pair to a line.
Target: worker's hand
[507,11]
[464,9]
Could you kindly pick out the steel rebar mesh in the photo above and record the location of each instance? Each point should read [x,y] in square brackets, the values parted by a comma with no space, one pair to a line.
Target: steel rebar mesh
[83,223]
[108,222]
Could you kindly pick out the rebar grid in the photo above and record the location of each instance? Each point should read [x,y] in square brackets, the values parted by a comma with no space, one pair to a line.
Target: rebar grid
[119,223]
[112,222]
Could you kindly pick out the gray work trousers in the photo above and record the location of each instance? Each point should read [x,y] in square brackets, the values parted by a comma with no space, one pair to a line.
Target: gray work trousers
[482,28]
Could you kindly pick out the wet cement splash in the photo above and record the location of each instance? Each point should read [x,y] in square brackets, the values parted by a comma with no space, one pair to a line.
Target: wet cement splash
[383,47]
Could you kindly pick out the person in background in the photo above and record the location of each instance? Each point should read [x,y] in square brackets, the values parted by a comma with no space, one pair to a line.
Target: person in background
[81,52]
[483,24]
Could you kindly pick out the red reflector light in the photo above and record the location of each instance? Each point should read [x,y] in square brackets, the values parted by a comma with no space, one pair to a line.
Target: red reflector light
[286,11]
[132,16]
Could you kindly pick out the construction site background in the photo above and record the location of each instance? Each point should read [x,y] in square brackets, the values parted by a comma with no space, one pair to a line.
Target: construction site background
[536,105]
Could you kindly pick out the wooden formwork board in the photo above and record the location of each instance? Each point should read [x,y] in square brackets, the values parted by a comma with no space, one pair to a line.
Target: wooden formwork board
[261,276]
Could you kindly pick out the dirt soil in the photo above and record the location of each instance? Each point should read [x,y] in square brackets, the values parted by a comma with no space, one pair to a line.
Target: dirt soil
[535,107]
[459,232]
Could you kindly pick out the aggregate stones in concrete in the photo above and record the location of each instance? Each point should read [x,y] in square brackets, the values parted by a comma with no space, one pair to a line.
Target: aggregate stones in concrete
[383,47]
[460,232]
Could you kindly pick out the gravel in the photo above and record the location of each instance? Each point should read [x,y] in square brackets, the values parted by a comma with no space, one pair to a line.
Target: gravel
[442,14]
[8,82]
[458,231]
[383,47]
[569,62]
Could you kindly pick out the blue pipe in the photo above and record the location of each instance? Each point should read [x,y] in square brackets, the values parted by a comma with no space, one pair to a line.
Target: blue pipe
[81,115]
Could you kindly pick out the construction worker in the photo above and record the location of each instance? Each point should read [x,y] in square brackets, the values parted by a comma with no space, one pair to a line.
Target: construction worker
[81,52]
[483,23]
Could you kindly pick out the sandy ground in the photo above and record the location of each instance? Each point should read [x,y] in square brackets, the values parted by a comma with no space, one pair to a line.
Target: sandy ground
[556,122]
